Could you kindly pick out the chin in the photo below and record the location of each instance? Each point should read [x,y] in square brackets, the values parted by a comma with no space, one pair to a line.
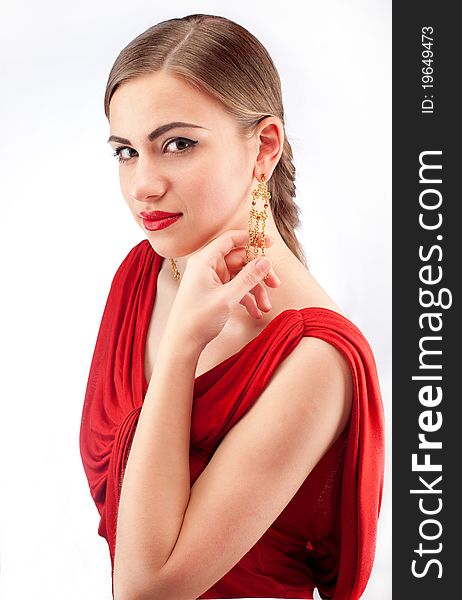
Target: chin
[171,251]
[167,246]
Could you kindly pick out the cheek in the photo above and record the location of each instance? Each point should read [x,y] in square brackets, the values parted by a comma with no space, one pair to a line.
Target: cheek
[220,185]
[125,187]
[216,199]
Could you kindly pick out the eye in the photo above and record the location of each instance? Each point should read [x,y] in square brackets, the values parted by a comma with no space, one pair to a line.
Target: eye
[181,141]
[118,153]
[181,149]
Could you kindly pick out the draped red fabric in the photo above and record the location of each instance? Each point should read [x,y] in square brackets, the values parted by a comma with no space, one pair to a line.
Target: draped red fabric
[326,535]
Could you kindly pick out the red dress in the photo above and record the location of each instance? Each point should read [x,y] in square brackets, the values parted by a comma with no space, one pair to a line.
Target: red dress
[326,535]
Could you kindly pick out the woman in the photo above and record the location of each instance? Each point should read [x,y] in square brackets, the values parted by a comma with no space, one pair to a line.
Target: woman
[232,430]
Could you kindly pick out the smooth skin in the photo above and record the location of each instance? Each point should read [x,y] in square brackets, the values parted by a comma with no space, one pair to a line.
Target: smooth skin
[175,541]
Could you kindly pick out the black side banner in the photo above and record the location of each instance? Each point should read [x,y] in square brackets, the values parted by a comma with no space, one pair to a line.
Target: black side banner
[427,429]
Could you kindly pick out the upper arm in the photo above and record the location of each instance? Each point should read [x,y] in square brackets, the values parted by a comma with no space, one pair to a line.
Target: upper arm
[258,467]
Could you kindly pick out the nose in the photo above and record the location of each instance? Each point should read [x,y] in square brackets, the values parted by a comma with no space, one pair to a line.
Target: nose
[148,181]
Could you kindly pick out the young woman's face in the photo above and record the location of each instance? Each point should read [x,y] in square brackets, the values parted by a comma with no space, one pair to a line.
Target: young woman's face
[204,170]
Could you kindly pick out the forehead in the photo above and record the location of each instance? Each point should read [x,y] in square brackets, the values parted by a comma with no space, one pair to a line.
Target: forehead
[161,97]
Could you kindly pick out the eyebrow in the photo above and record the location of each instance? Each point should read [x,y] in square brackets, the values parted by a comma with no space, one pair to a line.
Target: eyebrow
[156,133]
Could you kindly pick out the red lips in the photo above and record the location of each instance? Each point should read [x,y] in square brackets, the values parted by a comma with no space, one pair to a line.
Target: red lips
[157,215]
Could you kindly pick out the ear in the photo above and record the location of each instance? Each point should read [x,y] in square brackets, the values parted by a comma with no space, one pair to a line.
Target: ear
[270,142]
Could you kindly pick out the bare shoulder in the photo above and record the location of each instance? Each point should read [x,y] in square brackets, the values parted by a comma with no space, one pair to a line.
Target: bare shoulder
[317,379]
[316,352]
[321,360]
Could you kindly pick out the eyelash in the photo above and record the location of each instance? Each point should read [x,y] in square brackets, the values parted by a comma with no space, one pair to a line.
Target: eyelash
[119,149]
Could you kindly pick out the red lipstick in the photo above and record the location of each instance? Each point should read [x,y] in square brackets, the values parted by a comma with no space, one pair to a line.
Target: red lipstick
[157,214]
[158,219]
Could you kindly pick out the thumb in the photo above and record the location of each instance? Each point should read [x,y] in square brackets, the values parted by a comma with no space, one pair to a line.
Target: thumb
[248,278]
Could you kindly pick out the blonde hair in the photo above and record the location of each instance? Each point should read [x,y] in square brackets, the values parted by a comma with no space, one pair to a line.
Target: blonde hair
[222,58]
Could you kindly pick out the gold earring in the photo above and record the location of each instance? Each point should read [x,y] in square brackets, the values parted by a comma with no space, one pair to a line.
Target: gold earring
[176,273]
[256,217]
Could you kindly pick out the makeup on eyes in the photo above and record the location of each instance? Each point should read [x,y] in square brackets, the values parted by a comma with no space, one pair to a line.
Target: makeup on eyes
[118,150]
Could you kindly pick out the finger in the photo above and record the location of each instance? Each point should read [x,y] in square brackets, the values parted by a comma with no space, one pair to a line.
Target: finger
[237,259]
[222,270]
[247,279]
[253,248]
[261,297]
[248,301]
[272,280]
[224,243]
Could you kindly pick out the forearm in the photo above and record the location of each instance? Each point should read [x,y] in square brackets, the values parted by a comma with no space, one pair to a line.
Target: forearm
[156,486]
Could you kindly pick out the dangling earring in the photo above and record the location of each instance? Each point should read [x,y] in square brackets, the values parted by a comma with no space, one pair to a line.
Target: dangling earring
[176,273]
[255,218]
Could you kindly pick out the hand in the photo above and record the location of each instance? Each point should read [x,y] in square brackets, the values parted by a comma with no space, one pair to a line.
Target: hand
[215,280]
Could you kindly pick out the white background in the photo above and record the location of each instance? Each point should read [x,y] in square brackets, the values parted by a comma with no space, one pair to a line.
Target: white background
[65,229]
